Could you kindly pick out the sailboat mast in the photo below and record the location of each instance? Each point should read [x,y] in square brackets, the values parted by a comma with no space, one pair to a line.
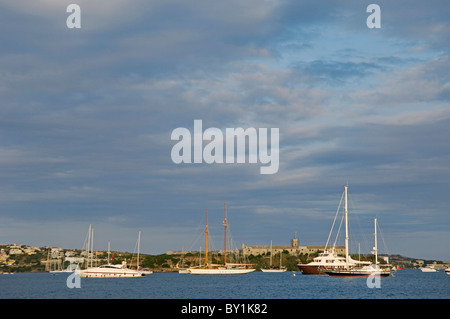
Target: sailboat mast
[109,252]
[88,246]
[281,255]
[91,237]
[206,237]
[346,227]
[225,237]
[270,253]
[376,245]
[139,244]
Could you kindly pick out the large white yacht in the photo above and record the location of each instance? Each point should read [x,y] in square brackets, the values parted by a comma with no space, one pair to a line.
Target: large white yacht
[109,271]
[326,261]
[329,260]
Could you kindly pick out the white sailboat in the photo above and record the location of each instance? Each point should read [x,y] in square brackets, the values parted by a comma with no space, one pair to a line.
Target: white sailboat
[104,271]
[225,268]
[272,269]
[109,271]
[55,266]
[429,268]
[143,271]
[329,260]
[182,269]
[364,271]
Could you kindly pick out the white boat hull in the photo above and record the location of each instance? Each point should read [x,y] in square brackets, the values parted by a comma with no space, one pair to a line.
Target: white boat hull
[109,271]
[219,271]
[428,270]
[273,270]
[96,274]
[358,273]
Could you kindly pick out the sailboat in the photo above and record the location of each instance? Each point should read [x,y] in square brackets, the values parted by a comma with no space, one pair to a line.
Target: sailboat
[143,271]
[365,271]
[219,269]
[271,268]
[182,269]
[329,260]
[57,265]
[105,271]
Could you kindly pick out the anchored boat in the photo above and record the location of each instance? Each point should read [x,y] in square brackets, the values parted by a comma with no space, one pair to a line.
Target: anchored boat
[329,260]
[272,268]
[220,269]
[108,270]
[364,271]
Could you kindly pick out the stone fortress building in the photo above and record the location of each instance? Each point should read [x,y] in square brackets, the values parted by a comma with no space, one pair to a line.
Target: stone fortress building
[294,249]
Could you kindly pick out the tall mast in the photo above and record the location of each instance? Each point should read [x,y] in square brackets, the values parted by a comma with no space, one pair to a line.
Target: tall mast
[281,253]
[206,237]
[225,237]
[376,246]
[88,246]
[92,246]
[139,244]
[270,253]
[109,252]
[346,228]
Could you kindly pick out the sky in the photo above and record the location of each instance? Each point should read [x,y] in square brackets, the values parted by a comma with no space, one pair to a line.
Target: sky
[86,117]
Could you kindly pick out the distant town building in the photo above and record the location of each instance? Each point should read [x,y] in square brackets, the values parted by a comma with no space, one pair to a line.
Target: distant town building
[30,250]
[15,251]
[292,250]
[56,252]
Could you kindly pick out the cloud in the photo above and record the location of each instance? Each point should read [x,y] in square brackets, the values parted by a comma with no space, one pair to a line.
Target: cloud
[334,72]
[87,114]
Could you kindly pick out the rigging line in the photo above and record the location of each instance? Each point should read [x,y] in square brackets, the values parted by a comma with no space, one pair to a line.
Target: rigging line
[232,244]
[85,244]
[197,239]
[382,237]
[339,231]
[358,220]
[335,216]
[200,231]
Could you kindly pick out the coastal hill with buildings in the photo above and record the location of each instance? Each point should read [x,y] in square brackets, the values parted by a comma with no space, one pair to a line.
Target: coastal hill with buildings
[24,258]
[292,250]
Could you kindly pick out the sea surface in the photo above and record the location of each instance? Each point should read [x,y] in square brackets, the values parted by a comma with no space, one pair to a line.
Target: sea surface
[404,284]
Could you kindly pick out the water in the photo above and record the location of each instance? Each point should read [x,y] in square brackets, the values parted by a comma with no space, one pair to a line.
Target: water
[405,284]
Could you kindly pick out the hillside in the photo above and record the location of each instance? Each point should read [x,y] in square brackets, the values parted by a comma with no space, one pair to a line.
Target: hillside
[23,258]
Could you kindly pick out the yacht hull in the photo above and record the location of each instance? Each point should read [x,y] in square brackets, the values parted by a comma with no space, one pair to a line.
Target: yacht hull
[428,270]
[273,270]
[102,273]
[311,270]
[203,271]
[355,274]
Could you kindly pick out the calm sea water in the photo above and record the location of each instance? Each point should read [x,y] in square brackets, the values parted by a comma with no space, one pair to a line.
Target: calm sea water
[405,284]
